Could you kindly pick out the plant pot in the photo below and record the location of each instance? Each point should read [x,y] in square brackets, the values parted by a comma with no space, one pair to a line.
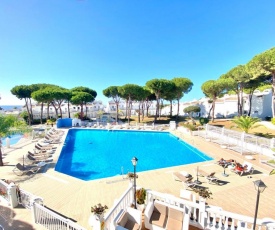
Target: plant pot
[96,221]
[141,207]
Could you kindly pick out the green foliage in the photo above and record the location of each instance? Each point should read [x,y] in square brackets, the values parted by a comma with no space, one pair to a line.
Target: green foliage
[24,115]
[192,109]
[273,121]
[8,125]
[98,209]
[38,121]
[271,161]
[203,120]
[189,126]
[268,118]
[141,196]
[246,123]
[51,121]
[263,87]
[203,192]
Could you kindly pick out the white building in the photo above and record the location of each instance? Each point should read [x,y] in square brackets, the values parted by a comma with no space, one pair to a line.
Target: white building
[92,110]
[227,106]
[111,108]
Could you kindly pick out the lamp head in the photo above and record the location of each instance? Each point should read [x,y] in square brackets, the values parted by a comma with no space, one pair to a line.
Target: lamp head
[259,185]
[134,161]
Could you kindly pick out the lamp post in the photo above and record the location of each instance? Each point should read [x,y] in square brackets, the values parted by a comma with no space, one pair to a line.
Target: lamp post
[260,187]
[134,162]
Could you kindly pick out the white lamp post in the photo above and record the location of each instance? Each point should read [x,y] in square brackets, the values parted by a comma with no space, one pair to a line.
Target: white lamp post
[260,187]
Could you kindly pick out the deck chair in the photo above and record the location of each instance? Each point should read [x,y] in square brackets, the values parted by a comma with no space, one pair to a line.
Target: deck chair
[211,178]
[41,147]
[36,159]
[247,168]
[21,170]
[52,140]
[189,183]
[181,176]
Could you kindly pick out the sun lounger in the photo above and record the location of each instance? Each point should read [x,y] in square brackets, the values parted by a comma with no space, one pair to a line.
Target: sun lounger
[211,178]
[33,160]
[245,168]
[40,155]
[189,183]
[181,176]
[21,170]
[47,147]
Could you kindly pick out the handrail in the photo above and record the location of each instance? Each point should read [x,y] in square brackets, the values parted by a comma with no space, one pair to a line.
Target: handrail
[124,201]
[52,220]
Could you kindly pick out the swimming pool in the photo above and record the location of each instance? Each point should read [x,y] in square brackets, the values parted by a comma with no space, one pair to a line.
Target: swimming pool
[13,139]
[93,154]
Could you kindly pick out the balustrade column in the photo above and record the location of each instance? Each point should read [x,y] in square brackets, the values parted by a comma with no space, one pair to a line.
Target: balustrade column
[12,195]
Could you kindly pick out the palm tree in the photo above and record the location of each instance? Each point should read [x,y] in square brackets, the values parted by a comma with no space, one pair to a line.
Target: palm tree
[245,123]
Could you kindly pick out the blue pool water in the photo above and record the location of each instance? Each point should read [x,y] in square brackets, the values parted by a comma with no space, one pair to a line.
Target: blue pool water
[13,139]
[94,154]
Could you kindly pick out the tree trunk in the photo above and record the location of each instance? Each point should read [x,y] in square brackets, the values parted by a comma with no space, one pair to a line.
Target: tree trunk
[126,110]
[81,111]
[48,111]
[56,110]
[238,103]
[273,93]
[60,110]
[1,156]
[178,109]
[117,104]
[250,104]
[157,108]
[210,111]
[139,112]
[213,110]
[41,114]
[31,110]
[28,110]
[171,103]
[86,110]
[68,105]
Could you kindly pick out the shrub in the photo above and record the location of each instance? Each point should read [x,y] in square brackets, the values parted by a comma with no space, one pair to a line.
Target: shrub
[273,121]
[268,118]
[141,196]
[190,127]
[98,209]
[203,120]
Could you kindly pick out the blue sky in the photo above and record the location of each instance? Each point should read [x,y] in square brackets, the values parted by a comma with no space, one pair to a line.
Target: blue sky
[99,43]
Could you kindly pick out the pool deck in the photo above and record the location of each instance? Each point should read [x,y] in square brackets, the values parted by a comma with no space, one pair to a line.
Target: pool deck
[73,198]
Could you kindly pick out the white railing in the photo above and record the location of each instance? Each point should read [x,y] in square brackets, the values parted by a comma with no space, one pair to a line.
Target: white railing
[210,217]
[51,220]
[220,219]
[195,210]
[125,201]
[238,141]
[25,198]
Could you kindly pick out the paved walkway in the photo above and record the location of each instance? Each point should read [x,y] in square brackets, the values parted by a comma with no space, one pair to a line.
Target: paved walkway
[73,197]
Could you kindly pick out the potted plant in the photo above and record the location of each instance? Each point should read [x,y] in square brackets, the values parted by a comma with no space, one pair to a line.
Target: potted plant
[98,210]
[3,192]
[204,193]
[140,197]
[131,175]
[95,219]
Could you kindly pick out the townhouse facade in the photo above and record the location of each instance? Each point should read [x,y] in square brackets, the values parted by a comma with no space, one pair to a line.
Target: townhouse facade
[227,106]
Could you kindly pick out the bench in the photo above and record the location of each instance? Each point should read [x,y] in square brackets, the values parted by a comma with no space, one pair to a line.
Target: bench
[159,215]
